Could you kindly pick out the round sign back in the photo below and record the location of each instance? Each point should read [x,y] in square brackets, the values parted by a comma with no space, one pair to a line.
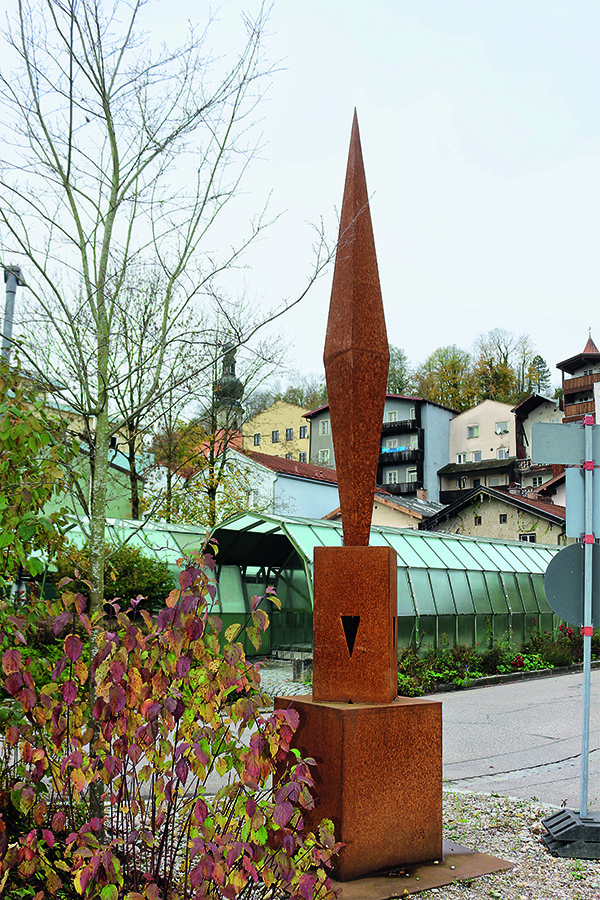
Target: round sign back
[563,583]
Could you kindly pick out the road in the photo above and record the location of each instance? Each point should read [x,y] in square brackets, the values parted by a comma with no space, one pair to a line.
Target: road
[522,739]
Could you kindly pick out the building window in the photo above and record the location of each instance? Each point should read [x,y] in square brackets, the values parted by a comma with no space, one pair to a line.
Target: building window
[256,439]
[302,456]
[413,441]
[472,431]
[502,453]
[251,499]
[392,415]
[324,426]
[476,455]
[323,457]
[412,413]
[303,433]
[461,458]
[289,455]
[477,520]
[496,481]
[391,443]
[501,428]
[289,434]
[476,482]
[537,480]
[461,482]
[529,538]
[411,475]
[275,437]
[503,518]
[391,477]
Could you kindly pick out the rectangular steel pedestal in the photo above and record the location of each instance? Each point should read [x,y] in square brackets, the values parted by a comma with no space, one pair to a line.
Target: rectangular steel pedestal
[378,777]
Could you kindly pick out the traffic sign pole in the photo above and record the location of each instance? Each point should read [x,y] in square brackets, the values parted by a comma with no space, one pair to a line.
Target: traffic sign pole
[588,467]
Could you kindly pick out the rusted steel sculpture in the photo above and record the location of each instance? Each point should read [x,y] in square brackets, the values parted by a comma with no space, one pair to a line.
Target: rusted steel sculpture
[354,622]
[378,757]
[356,354]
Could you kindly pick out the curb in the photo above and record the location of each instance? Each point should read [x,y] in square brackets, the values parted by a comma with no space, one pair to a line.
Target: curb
[509,678]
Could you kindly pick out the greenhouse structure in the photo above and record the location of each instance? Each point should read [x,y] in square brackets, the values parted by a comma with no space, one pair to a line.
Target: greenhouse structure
[452,589]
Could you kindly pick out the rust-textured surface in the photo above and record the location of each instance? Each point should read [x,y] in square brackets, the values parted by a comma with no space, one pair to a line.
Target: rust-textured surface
[355,656]
[458,864]
[378,777]
[356,354]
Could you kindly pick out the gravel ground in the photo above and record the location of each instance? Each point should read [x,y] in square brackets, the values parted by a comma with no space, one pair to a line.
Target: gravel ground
[511,829]
[502,826]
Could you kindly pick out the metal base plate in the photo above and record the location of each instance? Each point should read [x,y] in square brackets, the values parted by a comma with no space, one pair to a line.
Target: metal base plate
[571,835]
[458,864]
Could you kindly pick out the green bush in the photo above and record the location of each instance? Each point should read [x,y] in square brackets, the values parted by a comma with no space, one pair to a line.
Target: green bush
[128,573]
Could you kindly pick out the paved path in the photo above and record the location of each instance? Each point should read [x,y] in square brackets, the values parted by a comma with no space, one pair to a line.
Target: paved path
[522,739]
[517,740]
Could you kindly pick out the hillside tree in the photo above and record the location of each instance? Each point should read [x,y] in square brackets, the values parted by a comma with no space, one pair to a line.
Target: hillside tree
[400,380]
[445,377]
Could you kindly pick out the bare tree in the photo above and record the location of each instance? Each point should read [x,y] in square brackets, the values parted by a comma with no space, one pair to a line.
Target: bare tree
[197,451]
[121,157]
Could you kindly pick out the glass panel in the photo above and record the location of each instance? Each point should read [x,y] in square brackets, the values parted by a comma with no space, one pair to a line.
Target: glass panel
[405,600]
[462,595]
[292,589]
[540,594]
[527,593]
[422,592]
[444,549]
[496,561]
[530,558]
[501,628]
[512,561]
[230,590]
[465,630]
[442,594]
[496,592]
[517,625]
[328,537]
[407,626]
[406,554]
[468,555]
[446,631]
[426,632]
[422,546]
[514,596]
[481,600]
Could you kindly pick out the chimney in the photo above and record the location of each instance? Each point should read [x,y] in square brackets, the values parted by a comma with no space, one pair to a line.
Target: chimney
[421,494]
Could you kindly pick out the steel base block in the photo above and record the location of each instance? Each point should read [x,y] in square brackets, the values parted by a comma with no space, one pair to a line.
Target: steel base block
[571,835]
[378,777]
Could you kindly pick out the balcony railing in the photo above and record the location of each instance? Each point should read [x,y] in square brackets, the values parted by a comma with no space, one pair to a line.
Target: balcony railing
[580,383]
[403,487]
[524,463]
[400,427]
[387,457]
[578,410]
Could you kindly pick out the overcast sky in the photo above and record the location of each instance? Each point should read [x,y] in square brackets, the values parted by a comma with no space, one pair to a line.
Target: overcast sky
[480,129]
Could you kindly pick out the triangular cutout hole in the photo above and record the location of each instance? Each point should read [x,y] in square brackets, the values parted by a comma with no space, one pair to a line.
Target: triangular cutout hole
[350,625]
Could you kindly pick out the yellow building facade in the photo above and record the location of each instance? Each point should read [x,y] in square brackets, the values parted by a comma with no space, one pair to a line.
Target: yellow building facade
[280,430]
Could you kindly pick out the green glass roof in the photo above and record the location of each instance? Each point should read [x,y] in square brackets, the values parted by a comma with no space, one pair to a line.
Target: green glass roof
[415,549]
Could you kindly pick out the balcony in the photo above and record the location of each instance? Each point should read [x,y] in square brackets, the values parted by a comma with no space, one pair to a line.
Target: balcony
[387,457]
[402,426]
[524,463]
[580,383]
[574,411]
[403,487]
